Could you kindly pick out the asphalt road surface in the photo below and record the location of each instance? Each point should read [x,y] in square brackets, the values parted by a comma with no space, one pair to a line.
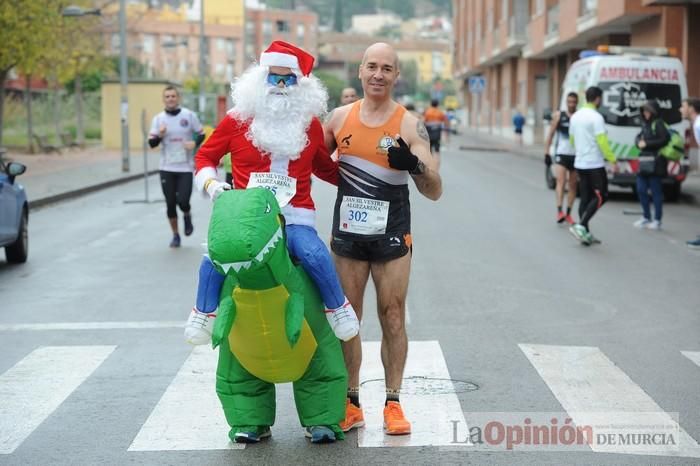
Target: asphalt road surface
[513,325]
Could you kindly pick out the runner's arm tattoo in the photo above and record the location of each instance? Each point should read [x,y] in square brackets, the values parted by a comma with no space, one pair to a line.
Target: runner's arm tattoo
[422,131]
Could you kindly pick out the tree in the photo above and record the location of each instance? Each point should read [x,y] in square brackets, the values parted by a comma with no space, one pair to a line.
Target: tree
[27,30]
[408,79]
[334,85]
[78,58]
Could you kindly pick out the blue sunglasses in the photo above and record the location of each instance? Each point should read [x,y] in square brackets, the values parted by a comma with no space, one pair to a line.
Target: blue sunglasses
[288,79]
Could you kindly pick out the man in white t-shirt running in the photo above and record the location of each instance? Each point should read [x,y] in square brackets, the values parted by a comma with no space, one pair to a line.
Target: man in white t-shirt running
[690,110]
[590,141]
[178,132]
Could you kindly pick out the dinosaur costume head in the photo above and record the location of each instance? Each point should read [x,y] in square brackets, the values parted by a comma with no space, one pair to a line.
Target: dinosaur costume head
[245,229]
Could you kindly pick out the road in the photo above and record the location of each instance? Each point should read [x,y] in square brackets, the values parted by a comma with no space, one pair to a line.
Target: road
[503,301]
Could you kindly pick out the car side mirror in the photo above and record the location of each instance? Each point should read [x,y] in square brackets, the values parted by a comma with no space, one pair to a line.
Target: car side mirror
[15,169]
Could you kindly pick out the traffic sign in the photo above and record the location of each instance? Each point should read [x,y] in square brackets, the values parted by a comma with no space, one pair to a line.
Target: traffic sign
[477,84]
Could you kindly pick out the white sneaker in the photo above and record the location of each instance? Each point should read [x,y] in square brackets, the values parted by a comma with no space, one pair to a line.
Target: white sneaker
[642,222]
[653,225]
[343,321]
[199,327]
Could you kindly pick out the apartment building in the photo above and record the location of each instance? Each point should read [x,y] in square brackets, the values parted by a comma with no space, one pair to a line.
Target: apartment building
[265,25]
[166,40]
[433,58]
[522,48]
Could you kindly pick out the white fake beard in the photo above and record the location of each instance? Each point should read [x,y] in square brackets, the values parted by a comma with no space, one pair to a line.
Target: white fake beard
[279,117]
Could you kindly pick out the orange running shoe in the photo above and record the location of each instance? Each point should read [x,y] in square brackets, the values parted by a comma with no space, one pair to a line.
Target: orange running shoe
[353,417]
[394,421]
[561,216]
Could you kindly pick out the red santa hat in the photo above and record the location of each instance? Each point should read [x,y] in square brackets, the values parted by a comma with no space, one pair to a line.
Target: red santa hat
[281,53]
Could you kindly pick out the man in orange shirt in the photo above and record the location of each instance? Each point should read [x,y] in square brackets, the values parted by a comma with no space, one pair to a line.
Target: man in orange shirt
[435,122]
[379,145]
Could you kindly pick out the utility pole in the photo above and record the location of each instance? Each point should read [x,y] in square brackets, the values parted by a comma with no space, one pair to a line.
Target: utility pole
[202,99]
[123,79]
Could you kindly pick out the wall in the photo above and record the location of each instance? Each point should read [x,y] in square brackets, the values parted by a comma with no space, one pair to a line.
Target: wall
[141,95]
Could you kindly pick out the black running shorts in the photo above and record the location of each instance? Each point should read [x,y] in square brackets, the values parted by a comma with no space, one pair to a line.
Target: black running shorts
[566,161]
[380,250]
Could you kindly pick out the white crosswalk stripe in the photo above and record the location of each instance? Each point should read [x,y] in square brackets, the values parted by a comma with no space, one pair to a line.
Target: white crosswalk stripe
[595,392]
[33,389]
[432,415]
[189,415]
[693,356]
[591,389]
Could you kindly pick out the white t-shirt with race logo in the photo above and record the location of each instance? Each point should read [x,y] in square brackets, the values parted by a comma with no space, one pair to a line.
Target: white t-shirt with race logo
[585,125]
[180,128]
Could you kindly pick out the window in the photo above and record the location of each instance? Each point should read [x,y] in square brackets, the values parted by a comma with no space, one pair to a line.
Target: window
[148,43]
[229,72]
[300,32]
[553,20]
[282,26]
[438,63]
[230,47]
[267,27]
[622,101]
[539,7]
[219,69]
[587,7]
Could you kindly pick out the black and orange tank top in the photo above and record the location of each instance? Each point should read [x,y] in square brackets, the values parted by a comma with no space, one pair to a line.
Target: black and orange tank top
[372,201]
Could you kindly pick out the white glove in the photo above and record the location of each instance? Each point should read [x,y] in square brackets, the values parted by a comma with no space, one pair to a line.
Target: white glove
[214,188]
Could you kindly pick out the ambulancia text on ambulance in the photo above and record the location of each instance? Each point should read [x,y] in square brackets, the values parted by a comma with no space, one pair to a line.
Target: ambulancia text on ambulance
[628,77]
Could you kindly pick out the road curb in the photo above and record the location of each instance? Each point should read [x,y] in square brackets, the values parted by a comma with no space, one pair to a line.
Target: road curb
[54,198]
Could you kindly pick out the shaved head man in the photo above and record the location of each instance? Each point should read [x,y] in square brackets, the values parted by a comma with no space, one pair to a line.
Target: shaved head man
[348,96]
[380,147]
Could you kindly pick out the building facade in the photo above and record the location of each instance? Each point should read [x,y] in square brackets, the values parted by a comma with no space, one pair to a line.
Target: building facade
[266,25]
[167,40]
[433,58]
[523,48]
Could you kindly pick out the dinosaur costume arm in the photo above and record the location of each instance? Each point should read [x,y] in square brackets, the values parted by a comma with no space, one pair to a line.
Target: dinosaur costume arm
[226,315]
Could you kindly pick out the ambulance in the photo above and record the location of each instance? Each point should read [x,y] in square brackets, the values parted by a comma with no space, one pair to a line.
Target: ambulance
[628,77]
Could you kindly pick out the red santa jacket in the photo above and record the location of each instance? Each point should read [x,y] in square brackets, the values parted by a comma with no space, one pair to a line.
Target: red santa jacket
[229,137]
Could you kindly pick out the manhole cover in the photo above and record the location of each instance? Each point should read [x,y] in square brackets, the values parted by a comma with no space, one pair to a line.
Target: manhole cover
[427,386]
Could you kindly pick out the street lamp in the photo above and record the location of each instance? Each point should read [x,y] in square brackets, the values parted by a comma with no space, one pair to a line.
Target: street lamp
[74,11]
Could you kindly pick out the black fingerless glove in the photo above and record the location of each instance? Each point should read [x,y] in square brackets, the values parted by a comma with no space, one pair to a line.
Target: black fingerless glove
[547,160]
[401,158]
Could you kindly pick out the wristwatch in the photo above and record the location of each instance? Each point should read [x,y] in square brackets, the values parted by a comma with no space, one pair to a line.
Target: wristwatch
[420,168]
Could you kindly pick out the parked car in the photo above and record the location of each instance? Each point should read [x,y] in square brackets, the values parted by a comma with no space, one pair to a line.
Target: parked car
[14,213]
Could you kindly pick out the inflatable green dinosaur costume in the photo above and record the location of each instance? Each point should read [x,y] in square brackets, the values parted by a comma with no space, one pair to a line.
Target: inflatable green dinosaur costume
[271,327]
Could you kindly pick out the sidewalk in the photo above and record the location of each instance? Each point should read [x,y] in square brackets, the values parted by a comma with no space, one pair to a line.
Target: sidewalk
[473,140]
[54,177]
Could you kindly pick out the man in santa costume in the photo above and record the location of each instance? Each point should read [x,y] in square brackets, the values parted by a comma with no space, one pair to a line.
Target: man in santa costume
[276,141]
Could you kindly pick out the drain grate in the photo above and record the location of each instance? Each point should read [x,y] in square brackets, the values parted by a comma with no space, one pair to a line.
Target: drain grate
[417,385]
